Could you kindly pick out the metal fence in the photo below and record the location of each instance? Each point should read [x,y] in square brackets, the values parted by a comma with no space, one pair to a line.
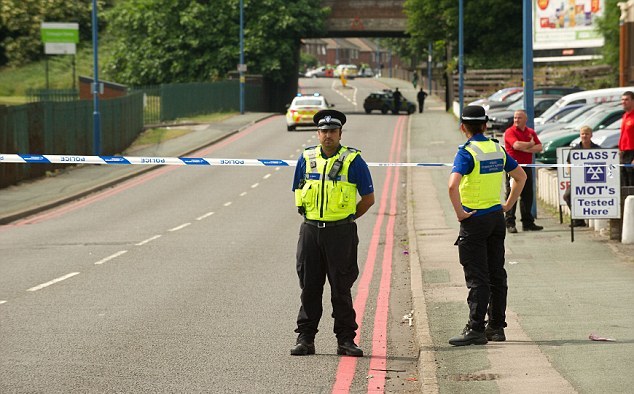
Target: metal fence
[48,127]
[57,122]
[57,95]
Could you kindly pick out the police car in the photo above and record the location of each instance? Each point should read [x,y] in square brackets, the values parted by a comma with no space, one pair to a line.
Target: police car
[300,112]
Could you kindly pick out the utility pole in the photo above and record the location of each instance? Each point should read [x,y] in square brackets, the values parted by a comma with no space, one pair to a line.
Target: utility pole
[96,129]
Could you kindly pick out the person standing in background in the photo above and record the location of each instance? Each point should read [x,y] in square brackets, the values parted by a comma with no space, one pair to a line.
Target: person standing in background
[626,141]
[521,142]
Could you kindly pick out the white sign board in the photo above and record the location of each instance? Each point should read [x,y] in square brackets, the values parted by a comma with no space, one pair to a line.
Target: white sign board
[567,24]
[52,48]
[563,173]
[595,184]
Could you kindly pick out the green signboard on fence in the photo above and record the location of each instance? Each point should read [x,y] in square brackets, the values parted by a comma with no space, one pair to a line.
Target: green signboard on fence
[60,33]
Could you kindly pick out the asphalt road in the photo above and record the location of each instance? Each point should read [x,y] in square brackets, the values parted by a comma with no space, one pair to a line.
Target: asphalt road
[183,279]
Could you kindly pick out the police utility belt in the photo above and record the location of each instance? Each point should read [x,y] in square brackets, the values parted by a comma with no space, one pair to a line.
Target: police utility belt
[320,224]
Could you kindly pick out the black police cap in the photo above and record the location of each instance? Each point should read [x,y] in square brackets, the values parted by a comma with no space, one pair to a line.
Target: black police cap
[473,114]
[328,119]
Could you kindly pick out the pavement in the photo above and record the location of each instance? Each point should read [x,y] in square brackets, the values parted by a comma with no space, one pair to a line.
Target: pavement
[547,273]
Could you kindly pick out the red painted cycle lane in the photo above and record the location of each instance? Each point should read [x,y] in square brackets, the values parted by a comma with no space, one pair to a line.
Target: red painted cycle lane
[378,362]
[347,365]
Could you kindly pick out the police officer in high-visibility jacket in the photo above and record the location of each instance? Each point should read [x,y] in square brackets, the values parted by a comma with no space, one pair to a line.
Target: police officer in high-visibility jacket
[327,180]
[475,186]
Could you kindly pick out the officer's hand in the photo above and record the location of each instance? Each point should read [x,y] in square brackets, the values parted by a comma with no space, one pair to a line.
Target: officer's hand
[465,215]
[301,210]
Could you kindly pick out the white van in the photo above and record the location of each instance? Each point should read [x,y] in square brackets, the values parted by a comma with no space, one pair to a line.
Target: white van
[349,70]
[585,97]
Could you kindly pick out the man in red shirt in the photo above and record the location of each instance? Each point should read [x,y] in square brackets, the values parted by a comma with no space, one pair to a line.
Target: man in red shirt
[521,143]
[626,142]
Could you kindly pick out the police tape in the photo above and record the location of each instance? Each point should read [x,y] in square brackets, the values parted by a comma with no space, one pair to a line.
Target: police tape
[206,161]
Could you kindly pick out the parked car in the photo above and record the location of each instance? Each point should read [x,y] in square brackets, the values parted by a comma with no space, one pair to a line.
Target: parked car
[301,110]
[499,96]
[538,91]
[563,121]
[600,117]
[597,96]
[366,72]
[501,120]
[384,102]
[606,138]
[319,72]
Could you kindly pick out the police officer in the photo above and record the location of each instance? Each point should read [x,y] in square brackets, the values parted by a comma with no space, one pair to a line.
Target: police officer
[475,185]
[327,180]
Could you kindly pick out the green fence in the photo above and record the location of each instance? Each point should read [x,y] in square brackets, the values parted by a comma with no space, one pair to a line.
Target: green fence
[190,99]
[65,128]
[35,95]
[54,125]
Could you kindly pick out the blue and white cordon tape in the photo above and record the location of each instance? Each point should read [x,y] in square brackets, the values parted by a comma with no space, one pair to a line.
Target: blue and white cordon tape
[198,161]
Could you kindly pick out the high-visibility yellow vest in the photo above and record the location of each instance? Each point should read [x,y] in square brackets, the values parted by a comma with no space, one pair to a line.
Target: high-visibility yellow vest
[323,198]
[481,188]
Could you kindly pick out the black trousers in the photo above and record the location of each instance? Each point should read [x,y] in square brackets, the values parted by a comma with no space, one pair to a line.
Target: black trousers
[421,106]
[525,201]
[481,250]
[329,252]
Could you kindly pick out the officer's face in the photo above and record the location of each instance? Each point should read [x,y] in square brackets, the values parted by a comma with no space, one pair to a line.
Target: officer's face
[329,138]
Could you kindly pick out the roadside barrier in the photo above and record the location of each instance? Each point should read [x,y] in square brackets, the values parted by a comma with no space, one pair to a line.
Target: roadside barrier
[204,161]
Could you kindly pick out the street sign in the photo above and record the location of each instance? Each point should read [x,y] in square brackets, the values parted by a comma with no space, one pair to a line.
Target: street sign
[53,48]
[242,68]
[595,184]
[59,33]
[563,173]
[60,38]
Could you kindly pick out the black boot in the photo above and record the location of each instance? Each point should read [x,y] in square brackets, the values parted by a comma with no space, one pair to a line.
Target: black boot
[303,347]
[349,348]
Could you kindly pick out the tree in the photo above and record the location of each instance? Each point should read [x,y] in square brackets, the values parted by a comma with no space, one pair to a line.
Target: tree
[20,22]
[492,29]
[608,25]
[167,41]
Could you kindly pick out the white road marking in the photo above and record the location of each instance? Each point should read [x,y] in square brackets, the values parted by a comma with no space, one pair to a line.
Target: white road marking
[227,204]
[267,176]
[148,240]
[2,302]
[51,282]
[205,216]
[182,226]
[243,194]
[255,185]
[291,156]
[114,256]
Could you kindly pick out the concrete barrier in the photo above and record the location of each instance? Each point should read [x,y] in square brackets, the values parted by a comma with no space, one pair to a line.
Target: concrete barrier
[627,233]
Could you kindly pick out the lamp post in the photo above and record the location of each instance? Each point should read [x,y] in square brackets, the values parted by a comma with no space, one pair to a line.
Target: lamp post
[460,55]
[96,128]
[241,66]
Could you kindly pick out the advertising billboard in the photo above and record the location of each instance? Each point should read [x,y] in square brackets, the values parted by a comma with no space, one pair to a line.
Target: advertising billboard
[566,24]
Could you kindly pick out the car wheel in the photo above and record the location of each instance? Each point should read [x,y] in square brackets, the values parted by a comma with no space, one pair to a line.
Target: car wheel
[290,128]
[410,110]
[367,110]
[384,109]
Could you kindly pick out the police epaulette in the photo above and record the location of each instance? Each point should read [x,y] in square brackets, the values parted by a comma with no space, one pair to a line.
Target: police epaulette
[353,149]
[310,147]
[464,145]
[495,140]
